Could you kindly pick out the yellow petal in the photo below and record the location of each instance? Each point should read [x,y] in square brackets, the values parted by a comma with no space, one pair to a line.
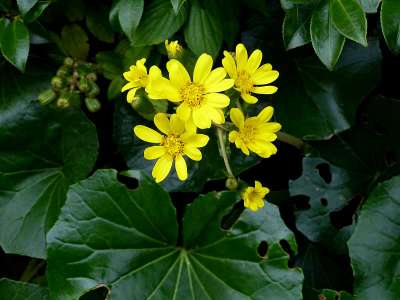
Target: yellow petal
[264,77]
[229,65]
[197,140]
[216,115]
[202,68]
[181,168]
[147,134]
[249,98]
[162,88]
[254,61]
[241,57]
[215,75]
[233,136]
[257,185]
[217,100]
[131,95]
[192,152]
[177,126]
[128,86]
[201,118]
[162,123]
[154,152]
[162,167]
[271,127]
[237,117]
[177,73]
[265,68]
[266,114]
[267,90]
[219,86]
[183,111]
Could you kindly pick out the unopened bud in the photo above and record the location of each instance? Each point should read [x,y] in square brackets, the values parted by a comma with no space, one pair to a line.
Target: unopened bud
[47,97]
[94,90]
[231,183]
[57,83]
[83,85]
[92,104]
[63,102]
[69,62]
[91,76]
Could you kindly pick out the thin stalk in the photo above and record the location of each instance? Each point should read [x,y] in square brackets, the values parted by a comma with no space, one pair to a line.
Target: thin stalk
[221,143]
[291,140]
[32,268]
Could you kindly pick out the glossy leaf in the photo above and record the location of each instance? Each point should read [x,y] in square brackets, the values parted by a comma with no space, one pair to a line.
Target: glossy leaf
[75,41]
[15,43]
[177,4]
[390,22]
[98,23]
[296,27]
[375,244]
[326,40]
[129,14]
[370,6]
[17,290]
[25,5]
[349,19]
[110,235]
[36,11]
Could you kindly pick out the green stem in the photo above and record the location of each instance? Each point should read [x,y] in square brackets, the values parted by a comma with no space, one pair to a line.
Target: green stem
[291,140]
[31,269]
[222,151]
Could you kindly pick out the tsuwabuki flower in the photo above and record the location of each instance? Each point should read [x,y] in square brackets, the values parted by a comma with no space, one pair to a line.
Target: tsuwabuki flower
[253,197]
[249,76]
[138,77]
[200,99]
[254,134]
[176,140]
[173,48]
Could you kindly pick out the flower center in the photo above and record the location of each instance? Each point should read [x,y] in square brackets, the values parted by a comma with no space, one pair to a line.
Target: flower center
[255,196]
[173,144]
[192,94]
[247,134]
[244,82]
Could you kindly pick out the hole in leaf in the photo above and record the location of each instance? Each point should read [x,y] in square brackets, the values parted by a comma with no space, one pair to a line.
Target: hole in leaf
[344,216]
[323,201]
[129,182]
[262,249]
[286,247]
[100,292]
[229,219]
[325,172]
[301,202]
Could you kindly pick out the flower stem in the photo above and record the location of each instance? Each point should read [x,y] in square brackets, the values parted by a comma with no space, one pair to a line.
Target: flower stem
[291,140]
[31,270]
[222,151]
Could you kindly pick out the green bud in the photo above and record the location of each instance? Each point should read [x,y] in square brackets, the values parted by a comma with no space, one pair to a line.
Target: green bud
[94,90]
[231,183]
[57,83]
[47,97]
[91,76]
[63,102]
[63,72]
[69,62]
[92,104]
[83,85]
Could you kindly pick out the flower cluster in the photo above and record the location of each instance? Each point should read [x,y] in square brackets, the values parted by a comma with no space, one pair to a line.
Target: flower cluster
[201,100]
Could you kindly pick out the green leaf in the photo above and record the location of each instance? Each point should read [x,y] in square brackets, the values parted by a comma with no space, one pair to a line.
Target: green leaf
[129,14]
[370,6]
[375,244]
[15,43]
[59,148]
[108,234]
[98,23]
[17,290]
[36,11]
[390,22]
[114,89]
[75,41]
[349,19]
[296,27]
[176,5]
[326,40]
[110,64]
[203,32]
[159,23]
[75,10]
[25,5]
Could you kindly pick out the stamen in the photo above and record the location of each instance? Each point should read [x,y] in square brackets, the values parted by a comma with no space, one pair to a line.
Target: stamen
[244,82]
[192,94]
[173,144]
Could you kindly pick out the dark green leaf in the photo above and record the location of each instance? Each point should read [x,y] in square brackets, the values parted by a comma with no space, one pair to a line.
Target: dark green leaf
[390,21]
[17,290]
[75,41]
[129,14]
[75,10]
[327,41]
[110,235]
[177,4]
[110,64]
[25,5]
[370,6]
[349,19]
[203,32]
[296,27]
[98,23]
[375,244]
[159,23]
[36,11]
[15,43]
[114,89]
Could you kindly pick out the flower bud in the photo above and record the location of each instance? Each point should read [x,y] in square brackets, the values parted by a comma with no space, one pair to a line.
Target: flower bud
[63,72]
[91,76]
[63,102]
[92,104]
[83,85]
[57,83]
[94,90]
[231,183]
[47,97]
[69,62]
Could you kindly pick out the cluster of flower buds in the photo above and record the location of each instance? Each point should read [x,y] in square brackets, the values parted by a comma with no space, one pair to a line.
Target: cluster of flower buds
[74,80]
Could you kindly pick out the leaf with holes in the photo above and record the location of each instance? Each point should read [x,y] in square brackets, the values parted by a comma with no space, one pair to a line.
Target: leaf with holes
[370,6]
[127,240]
[375,246]
[17,290]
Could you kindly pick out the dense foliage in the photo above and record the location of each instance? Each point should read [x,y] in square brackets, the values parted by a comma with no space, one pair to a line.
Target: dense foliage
[86,213]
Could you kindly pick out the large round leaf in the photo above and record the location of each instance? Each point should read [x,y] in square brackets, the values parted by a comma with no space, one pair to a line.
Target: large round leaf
[17,290]
[127,240]
[375,245]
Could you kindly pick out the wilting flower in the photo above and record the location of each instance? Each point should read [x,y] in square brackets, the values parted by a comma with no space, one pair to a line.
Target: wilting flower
[139,78]
[248,75]
[253,197]
[201,100]
[177,139]
[173,48]
[255,134]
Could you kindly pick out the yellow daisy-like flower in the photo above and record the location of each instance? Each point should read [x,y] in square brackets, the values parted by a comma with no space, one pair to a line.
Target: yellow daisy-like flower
[173,48]
[253,197]
[255,134]
[138,77]
[200,100]
[248,75]
[177,139]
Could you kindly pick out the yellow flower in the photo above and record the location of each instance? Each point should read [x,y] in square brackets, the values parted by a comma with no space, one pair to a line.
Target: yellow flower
[201,100]
[173,48]
[255,133]
[138,77]
[253,197]
[178,139]
[248,75]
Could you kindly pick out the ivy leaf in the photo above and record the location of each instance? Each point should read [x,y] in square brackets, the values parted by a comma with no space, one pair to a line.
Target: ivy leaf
[326,40]
[296,27]
[375,245]
[390,22]
[17,290]
[370,6]
[15,43]
[159,23]
[349,19]
[25,5]
[113,236]
[129,14]
[75,41]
